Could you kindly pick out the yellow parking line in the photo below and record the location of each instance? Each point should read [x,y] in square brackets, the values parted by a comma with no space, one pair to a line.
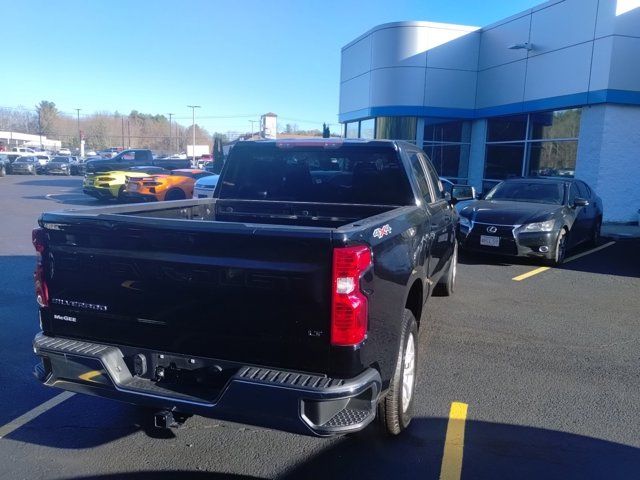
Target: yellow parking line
[589,252]
[451,468]
[519,278]
[524,276]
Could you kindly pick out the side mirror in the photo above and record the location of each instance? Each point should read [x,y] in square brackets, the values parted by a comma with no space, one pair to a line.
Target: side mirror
[463,192]
[580,202]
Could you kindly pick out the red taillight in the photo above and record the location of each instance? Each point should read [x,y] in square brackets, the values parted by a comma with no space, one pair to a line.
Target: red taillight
[349,313]
[38,237]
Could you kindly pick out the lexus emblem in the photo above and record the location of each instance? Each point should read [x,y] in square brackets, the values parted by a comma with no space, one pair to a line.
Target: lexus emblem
[492,229]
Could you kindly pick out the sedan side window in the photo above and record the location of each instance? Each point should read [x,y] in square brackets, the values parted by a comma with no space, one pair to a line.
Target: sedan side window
[421,178]
[583,190]
[573,193]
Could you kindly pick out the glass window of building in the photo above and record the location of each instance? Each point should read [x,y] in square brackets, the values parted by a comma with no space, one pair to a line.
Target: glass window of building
[351,130]
[451,161]
[367,128]
[506,129]
[441,130]
[558,124]
[503,161]
[537,144]
[553,158]
[396,128]
[447,143]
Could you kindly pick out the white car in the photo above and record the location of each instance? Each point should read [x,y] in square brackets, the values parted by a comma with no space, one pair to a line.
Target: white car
[204,187]
[64,151]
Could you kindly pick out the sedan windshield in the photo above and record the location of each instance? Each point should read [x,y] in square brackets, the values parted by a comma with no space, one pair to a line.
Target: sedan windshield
[535,192]
[60,159]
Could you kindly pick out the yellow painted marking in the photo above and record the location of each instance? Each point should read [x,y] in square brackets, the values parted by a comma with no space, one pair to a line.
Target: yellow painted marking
[524,276]
[90,375]
[31,414]
[589,252]
[451,468]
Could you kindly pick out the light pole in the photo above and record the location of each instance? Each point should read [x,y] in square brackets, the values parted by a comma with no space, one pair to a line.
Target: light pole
[170,115]
[252,122]
[193,128]
[79,132]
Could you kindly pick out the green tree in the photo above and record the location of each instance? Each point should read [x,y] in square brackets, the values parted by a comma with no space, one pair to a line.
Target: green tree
[47,117]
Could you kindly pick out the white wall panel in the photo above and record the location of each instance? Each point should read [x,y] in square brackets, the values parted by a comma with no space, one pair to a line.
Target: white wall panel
[399,46]
[461,53]
[501,85]
[609,23]
[450,88]
[354,94]
[625,64]
[601,64]
[562,72]
[397,86]
[495,42]
[356,59]
[563,24]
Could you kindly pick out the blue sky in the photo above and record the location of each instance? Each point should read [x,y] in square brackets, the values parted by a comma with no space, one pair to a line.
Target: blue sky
[234,58]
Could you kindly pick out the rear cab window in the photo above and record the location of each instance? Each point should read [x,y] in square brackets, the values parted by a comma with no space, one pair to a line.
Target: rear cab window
[342,174]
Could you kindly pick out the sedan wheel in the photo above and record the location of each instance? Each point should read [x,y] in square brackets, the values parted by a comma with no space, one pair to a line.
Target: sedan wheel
[561,248]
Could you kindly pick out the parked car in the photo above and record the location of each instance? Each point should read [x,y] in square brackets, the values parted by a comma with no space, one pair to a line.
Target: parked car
[134,158]
[205,186]
[64,152]
[532,217]
[111,185]
[25,165]
[59,165]
[176,185]
[5,164]
[291,301]
[43,159]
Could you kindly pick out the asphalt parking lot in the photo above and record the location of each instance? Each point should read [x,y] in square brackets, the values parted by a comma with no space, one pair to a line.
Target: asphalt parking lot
[543,372]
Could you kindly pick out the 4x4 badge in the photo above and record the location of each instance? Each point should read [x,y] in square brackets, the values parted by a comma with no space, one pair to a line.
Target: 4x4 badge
[382,231]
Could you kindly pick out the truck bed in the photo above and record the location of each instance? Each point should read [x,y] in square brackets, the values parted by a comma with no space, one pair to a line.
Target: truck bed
[246,281]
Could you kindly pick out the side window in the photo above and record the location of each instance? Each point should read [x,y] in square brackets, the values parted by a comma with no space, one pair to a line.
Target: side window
[418,172]
[438,189]
[583,190]
[573,193]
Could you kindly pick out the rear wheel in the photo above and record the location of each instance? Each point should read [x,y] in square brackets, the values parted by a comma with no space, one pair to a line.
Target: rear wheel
[395,410]
[121,194]
[447,284]
[175,194]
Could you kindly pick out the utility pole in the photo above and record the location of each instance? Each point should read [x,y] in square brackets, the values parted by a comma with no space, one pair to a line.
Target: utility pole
[193,128]
[170,115]
[129,133]
[79,132]
[122,118]
[252,122]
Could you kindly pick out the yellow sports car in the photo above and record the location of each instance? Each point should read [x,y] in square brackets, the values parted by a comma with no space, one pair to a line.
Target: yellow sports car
[110,185]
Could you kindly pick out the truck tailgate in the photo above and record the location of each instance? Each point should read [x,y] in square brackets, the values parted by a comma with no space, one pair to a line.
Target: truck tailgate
[255,294]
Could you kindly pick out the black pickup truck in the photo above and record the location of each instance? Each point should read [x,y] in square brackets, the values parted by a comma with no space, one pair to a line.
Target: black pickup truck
[291,300]
[134,158]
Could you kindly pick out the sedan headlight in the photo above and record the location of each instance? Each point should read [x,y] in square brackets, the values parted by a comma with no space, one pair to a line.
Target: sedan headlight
[465,222]
[546,226]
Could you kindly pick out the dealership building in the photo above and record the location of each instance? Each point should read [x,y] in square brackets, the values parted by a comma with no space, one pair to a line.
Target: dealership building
[551,91]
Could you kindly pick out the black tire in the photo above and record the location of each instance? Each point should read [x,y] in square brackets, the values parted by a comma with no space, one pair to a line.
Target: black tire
[560,249]
[447,284]
[175,194]
[394,415]
[595,233]
[121,197]
[3,171]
